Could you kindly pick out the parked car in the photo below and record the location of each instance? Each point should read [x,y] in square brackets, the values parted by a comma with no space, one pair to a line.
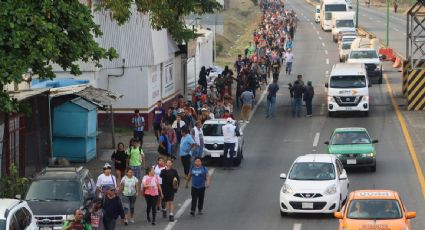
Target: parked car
[317,14]
[56,192]
[16,214]
[354,147]
[316,183]
[214,141]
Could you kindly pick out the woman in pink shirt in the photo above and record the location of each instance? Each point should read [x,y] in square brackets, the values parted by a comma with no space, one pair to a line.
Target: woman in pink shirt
[151,190]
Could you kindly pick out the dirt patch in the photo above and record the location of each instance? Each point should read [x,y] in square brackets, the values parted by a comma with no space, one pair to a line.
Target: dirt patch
[240,20]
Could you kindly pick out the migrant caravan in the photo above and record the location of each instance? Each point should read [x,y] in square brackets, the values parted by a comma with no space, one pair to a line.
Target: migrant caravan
[327,7]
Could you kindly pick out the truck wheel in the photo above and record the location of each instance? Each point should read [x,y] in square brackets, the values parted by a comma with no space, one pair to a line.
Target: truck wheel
[283,214]
[366,113]
[380,80]
[373,168]
[237,162]
[341,60]
[330,114]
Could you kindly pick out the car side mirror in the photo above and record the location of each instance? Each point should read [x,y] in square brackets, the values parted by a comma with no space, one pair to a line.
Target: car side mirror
[411,215]
[326,142]
[343,176]
[282,176]
[375,141]
[370,85]
[382,57]
[18,196]
[326,85]
[338,215]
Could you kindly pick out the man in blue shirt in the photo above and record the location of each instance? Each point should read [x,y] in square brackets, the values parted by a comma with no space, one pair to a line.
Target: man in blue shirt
[200,181]
[186,145]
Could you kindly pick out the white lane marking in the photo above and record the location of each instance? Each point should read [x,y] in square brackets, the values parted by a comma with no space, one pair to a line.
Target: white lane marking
[326,52]
[258,102]
[320,38]
[378,21]
[316,139]
[317,32]
[322,109]
[327,61]
[311,23]
[297,226]
[396,29]
[404,34]
[183,208]
[327,72]
[323,44]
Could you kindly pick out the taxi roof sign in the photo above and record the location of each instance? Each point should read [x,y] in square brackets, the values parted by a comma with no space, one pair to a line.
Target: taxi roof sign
[375,194]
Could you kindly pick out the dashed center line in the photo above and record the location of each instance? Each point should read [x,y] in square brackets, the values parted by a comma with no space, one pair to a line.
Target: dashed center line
[297,227]
[326,52]
[317,32]
[323,44]
[320,38]
[327,61]
[396,29]
[316,139]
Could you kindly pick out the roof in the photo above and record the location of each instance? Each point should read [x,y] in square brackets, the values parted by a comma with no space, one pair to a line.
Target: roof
[350,129]
[55,173]
[374,194]
[83,103]
[97,96]
[6,204]
[342,69]
[321,158]
[25,94]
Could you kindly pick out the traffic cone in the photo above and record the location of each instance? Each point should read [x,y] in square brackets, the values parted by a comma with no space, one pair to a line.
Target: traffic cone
[397,63]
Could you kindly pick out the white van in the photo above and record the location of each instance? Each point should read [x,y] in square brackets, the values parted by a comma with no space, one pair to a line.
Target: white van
[326,9]
[348,89]
[317,14]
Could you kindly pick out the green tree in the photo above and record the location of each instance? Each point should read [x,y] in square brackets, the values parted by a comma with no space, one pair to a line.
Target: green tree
[36,34]
[163,14]
[12,184]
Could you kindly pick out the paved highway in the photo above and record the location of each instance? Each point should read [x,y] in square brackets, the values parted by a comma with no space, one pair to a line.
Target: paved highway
[248,197]
[374,20]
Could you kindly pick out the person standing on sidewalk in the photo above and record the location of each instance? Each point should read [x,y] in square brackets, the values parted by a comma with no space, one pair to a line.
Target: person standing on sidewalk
[230,134]
[271,99]
[130,188]
[187,144]
[120,159]
[198,136]
[200,181]
[170,184]
[151,190]
[158,113]
[247,99]
[298,91]
[136,158]
[289,57]
[308,98]
[113,208]
[138,122]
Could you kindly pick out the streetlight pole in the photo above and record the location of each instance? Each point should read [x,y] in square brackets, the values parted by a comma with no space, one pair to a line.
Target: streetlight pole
[388,24]
[357,14]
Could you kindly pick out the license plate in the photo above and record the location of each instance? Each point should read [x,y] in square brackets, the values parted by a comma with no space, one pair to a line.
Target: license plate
[215,155]
[348,108]
[46,228]
[307,205]
[351,161]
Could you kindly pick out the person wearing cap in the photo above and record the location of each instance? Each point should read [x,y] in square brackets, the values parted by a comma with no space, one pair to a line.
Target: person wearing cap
[112,207]
[289,57]
[198,136]
[105,181]
[230,138]
[308,98]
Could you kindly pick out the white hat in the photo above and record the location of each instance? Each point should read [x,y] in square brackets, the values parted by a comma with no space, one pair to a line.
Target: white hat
[229,119]
[107,165]
[204,109]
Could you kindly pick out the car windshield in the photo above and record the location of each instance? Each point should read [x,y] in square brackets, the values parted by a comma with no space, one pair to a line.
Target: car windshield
[2,224]
[363,54]
[374,210]
[335,7]
[346,46]
[312,171]
[48,190]
[350,138]
[344,23]
[349,40]
[214,130]
[344,82]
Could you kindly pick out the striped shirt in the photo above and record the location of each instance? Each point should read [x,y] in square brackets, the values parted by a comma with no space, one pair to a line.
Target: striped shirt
[138,123]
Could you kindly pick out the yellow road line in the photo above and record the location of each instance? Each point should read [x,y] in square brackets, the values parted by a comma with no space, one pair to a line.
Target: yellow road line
[407,137]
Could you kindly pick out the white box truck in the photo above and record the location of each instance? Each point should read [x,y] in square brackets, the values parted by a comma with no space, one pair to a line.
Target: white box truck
[342,21]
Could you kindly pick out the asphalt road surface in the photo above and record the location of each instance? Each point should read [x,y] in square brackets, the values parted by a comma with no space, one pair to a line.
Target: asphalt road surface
[248,197]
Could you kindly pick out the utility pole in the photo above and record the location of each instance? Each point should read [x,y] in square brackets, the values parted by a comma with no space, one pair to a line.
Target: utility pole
[357,14]
[388,24]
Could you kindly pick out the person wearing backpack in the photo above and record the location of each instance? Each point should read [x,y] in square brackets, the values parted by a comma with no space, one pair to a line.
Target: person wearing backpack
[200,181]
[164,147]
[136,158]
[170,183]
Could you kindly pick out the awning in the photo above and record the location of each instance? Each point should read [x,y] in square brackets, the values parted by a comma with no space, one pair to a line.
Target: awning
[25,94]
[100,97]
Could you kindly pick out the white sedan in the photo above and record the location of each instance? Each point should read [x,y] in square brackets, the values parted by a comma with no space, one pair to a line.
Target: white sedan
[316,183]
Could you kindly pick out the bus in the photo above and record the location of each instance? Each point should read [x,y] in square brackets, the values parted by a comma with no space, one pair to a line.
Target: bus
[326,9]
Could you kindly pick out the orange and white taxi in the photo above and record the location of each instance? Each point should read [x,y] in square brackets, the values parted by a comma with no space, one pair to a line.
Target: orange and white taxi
[374,210]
